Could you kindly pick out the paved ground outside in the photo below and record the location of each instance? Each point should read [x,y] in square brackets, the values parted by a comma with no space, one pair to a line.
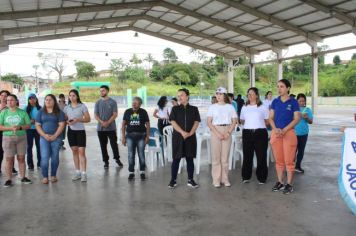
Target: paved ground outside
[110,205]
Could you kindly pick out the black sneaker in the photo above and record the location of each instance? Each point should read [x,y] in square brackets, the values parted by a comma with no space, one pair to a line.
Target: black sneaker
[288,189]
[131,176]
[119,163]
[25,180]
[191,183]
[172,184]
[31,168]
[278,187]
[106,165]
[8,183]
[299,170]
[143,176]
[14,171]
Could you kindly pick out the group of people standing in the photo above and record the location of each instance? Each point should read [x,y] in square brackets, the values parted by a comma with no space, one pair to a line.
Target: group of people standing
[44,126]
[288,118]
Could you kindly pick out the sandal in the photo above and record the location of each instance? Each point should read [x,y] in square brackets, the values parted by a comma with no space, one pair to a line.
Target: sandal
[44,181]
[54,179]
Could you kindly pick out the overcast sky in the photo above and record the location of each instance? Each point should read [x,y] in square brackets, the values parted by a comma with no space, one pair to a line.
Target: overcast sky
[20,58]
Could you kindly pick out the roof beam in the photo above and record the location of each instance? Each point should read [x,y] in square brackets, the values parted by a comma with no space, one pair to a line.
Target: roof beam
[332,11]
[66,25]
[28,29]
[271,19]
[222,24]
[199,34]
[66,35]
[192,45]
[75,10]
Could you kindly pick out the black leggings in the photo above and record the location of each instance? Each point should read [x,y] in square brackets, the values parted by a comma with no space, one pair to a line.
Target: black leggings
[190,167]
[1,150]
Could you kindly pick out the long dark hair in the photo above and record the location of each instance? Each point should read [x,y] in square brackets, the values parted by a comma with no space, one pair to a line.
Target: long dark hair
[76,94]
[162,102]
[29,107]
[258,100]
[56,110]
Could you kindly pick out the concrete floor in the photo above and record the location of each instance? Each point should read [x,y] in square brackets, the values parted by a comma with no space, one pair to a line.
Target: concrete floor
[110,205]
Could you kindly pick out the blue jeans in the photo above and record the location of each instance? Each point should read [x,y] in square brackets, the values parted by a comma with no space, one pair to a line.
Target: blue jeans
[136,141]
[50,150]
[33,135]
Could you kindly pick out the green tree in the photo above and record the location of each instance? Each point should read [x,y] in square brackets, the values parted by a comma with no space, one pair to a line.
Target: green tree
[349,80]
[133,73]
[16,79]
[353,57]
[181,78]
[169,55]
[117,66]
[135,60]
[85,69]
[336,60]
[149,58]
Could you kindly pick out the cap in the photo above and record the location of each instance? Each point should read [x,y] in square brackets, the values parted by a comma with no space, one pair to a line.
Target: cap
[221,90]
[32,95]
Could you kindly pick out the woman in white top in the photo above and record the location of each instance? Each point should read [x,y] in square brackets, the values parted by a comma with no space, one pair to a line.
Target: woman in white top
[222,119]
[162,114]
[254,117]
[268,100]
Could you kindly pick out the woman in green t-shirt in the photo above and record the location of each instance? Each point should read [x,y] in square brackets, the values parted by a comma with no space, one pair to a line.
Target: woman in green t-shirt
[14,122]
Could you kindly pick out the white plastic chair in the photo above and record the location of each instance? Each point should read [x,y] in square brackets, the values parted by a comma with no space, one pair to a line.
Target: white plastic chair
[236,153]
[202,135]
[167,142]
[154,149]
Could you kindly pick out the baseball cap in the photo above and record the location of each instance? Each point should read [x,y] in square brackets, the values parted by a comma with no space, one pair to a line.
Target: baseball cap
[221,90]
[32,95]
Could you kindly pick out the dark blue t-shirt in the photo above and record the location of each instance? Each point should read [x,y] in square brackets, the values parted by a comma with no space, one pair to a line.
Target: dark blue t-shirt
[49,121]
[284,111]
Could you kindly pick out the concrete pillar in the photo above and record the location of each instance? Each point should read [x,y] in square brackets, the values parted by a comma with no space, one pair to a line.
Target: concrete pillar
[4,48]
[230,76]
[279,64]
[252,71]
[314,75]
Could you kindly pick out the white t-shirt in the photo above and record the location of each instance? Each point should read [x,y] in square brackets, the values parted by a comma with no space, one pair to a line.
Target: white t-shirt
[254,116]
[268,103]
[163,113]
[222,114]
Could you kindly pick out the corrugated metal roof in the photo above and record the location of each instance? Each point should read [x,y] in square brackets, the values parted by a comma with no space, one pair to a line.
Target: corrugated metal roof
[225,27]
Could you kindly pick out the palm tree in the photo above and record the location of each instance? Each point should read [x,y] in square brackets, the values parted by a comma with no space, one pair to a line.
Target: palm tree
[149,59]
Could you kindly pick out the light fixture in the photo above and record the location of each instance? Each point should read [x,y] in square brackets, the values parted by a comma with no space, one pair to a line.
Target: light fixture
[136,35]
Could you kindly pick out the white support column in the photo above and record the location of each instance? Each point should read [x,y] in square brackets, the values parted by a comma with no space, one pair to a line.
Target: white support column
[252,67]
[314,74]
[230,76]
[279,63]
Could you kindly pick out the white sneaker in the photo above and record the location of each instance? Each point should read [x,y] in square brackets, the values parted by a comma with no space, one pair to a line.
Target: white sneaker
[84,178]
[76,177]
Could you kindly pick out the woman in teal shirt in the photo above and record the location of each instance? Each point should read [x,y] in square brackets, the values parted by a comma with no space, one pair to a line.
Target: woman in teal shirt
[302,130]
[32,109]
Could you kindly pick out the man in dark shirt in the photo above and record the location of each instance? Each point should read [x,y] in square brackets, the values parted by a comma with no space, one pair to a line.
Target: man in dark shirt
[136,133]
[185,121]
